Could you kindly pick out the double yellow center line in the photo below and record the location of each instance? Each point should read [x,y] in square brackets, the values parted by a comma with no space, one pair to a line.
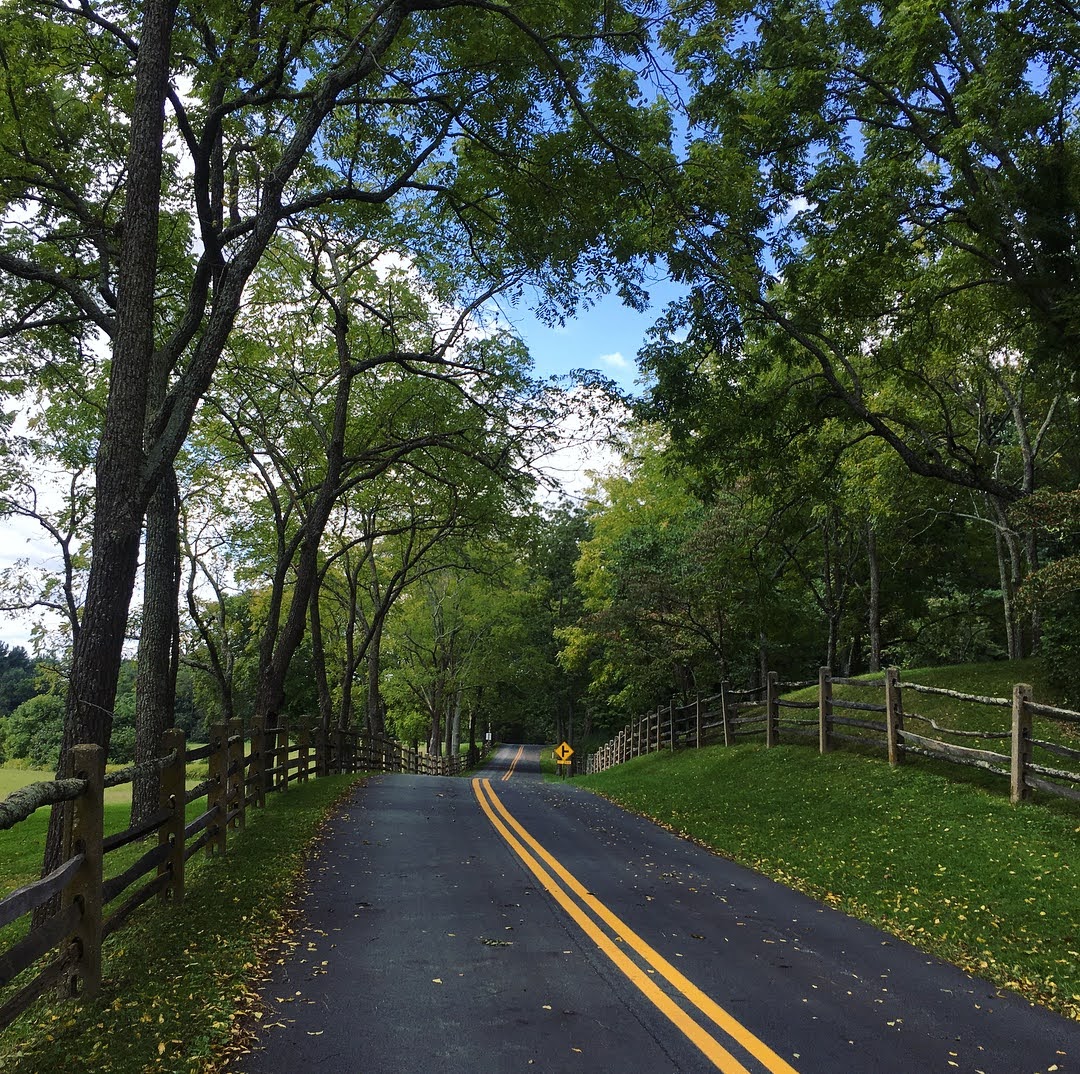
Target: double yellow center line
[513,764]
[571,895]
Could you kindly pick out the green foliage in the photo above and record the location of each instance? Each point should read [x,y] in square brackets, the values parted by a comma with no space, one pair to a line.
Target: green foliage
[1061,646]
[17,679]
[34,730]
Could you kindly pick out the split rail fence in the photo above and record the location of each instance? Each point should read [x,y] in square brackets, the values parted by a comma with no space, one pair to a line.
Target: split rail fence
[93,907]
[883,725]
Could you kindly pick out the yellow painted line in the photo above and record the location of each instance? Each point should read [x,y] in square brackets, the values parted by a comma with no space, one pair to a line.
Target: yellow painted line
[720,1057]
[513,763]
[704,1003]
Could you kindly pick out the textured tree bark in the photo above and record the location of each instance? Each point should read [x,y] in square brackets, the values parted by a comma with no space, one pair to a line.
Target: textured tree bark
[375,714]
[121,491]
[318,658]
[155,689]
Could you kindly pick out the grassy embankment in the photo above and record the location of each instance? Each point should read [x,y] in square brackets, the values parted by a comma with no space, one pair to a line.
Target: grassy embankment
[931,852]
[176,978]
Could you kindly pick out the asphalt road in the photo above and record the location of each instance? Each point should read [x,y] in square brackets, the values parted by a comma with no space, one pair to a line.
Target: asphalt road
[506,924]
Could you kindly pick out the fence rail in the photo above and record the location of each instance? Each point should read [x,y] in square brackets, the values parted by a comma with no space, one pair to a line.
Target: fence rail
[738,714]
[242,770]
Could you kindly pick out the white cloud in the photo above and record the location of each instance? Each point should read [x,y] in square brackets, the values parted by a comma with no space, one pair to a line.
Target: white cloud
[615,360]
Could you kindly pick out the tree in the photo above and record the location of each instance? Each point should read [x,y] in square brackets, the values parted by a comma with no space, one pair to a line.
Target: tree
[882,201]
[284,113]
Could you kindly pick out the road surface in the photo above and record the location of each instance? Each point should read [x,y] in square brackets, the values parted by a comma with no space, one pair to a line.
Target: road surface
[504,924]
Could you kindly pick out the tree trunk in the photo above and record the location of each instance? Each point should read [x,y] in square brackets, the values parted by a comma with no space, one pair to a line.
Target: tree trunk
[159,640]
[873,618]
[375,711]
[1011,640]
[474,754]
[121,492]
[455,737]
[318,660]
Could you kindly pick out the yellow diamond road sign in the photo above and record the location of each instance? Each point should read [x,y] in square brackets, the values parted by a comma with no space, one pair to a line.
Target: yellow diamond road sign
[563,753]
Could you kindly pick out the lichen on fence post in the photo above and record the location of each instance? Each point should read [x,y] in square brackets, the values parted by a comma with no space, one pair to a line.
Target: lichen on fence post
[725,712]
[304,748]
[171,796]
[1021,743]
[894,716]
[281,762]
[84,836]
[257,769]
[825,710]
[772,709]
[217,796]
[236,800]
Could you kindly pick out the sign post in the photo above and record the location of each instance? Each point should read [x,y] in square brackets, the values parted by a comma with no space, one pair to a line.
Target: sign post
[563,753]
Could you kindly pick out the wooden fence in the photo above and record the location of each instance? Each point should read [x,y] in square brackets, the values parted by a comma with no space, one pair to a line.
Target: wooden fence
[883,725]
[241,773]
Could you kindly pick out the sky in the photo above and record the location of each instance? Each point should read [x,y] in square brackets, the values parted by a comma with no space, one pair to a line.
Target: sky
[605,337]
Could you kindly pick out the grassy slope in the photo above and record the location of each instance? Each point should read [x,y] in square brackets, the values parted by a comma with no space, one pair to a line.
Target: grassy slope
[175,977]
[932,853]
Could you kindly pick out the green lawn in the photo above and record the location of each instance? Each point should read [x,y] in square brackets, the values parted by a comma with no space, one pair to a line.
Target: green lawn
[176,978]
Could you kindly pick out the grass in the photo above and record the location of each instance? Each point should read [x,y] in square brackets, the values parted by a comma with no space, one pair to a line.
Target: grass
[175,978]
[948,865]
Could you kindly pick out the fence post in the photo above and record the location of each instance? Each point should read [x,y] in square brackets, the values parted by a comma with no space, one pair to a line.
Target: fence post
[772,709]
[697,721]
[303,745]
[1021,743]
[282,760]
[171,796]
[894,716]
[825,710]
[257,768]
[671,724]
[237,796]
[725,712]
[84,835]
[218,794]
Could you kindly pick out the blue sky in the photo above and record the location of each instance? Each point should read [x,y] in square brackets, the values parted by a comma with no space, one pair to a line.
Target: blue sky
[606,337]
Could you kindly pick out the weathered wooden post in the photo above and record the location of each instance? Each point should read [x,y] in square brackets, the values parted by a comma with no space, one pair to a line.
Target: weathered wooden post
[237,796]
[697,721]
[894,716]
[217,797]
[772,709]
[303,748]
[171,796]
[84,836]
[1021,743]
[671,724]
[282,762]
[322,758]
[825,710]
[340,763]
[257,767]
[726,714]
